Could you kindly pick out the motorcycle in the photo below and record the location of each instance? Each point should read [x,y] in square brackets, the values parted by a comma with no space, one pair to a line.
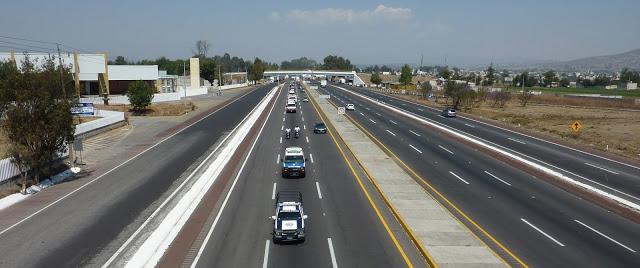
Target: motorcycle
[297,134]
[287,134]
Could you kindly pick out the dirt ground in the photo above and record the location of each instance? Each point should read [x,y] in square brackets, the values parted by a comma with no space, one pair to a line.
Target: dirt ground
[156,109]
[612,130]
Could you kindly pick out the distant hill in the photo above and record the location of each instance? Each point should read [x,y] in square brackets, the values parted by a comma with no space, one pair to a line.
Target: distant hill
[610,63]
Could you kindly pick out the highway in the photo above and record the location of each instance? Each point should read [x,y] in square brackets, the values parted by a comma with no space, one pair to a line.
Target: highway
[342,229]
[85,227]
[540,223]
[611,175]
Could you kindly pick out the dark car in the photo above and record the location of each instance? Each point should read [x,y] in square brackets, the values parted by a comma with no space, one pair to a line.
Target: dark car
[320,128]
[448,112]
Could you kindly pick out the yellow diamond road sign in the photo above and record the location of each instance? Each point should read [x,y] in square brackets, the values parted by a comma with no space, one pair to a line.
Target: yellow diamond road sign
[576,126]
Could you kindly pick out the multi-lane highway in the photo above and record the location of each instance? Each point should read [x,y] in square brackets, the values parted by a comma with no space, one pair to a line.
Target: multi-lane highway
[85,227]
[342,229]
[539,222]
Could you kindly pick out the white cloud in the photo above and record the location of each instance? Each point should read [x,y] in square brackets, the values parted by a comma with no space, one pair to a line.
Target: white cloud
[344,16]
[275,16]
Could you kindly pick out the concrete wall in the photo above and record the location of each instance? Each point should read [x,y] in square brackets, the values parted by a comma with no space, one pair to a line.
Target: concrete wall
[194,67]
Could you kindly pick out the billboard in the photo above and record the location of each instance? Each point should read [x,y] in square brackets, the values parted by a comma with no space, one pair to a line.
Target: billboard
[83,109]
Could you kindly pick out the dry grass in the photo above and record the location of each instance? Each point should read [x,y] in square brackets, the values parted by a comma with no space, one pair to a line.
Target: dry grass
[605,129]
[586,102]
[156,109]
[9,189]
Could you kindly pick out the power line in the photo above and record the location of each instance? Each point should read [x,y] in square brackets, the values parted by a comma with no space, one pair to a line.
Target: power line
[25,45]
[45,42]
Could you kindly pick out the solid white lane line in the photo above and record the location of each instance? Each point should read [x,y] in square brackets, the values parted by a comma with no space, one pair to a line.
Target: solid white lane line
[445,149]
[391,133]
[414,133]
[601,168]
[393,122]
[334,263]
[542,232]
[518,141]
[280,139]
[605,236]
[307,139]
[469,125]
[458,177]
[318,187]
[362,114]
[372,121]
[311,156]
[278,159]
[265,259]
[273,193]
[415,148]
[495,177]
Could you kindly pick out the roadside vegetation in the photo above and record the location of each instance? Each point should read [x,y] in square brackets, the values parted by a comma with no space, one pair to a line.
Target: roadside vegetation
[607,125]
[35,111]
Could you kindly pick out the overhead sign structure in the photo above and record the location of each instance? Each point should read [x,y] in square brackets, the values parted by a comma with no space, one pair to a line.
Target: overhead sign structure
[83,109]
[576,126]
[325,96]
[341,110]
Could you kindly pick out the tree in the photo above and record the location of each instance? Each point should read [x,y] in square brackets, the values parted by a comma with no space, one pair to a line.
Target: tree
[202,48]
[549,77]
[302,63]
[455,91]
[444,73]
[140,95]
[256,70]
[37,118]
[524,97]
[375,78]
[405,75]
[120,60]
[629,76]
[332,62]
[425,89]
[490,78]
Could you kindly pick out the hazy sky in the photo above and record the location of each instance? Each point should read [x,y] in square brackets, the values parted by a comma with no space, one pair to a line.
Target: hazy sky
[466,32]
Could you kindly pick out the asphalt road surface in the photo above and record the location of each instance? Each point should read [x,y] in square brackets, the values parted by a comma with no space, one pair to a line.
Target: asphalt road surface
[342,228]
[540,223]
[76,230]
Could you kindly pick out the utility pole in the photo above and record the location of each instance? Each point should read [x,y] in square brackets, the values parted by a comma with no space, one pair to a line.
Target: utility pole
[64,92]
[184,75]
[219,76]
[76,78]
[421,60]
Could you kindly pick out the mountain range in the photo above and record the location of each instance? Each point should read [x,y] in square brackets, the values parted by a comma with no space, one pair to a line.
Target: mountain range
[607,63]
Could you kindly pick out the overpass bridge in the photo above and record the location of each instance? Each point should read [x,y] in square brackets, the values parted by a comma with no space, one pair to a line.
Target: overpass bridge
[350,76]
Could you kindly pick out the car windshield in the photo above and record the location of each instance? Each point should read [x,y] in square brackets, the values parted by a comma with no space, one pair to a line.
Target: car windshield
[293,158]
[289,215]
[321,125]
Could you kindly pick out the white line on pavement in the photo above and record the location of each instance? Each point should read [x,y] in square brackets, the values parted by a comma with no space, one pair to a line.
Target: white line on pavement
[282,128]
[393,122]
[318,187]
[304,127]
[445,149]
[280,139]
[307,139]
[420,109]
[303,118]
[518,141]
[592,165]
[469,125]
[362,114]
[265,259]
[367,108]
[495,177]
[379,114]
[542,232]
[605,236]
[414,133]
[273,193]
[311,156]
[391,133]
[333,255]
[458,177]
[283,119]
[278,159]
[372,121]
[415,148]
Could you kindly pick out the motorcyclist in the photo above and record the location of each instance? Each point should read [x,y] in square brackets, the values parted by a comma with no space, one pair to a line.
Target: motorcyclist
[297,131]
[287,132]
